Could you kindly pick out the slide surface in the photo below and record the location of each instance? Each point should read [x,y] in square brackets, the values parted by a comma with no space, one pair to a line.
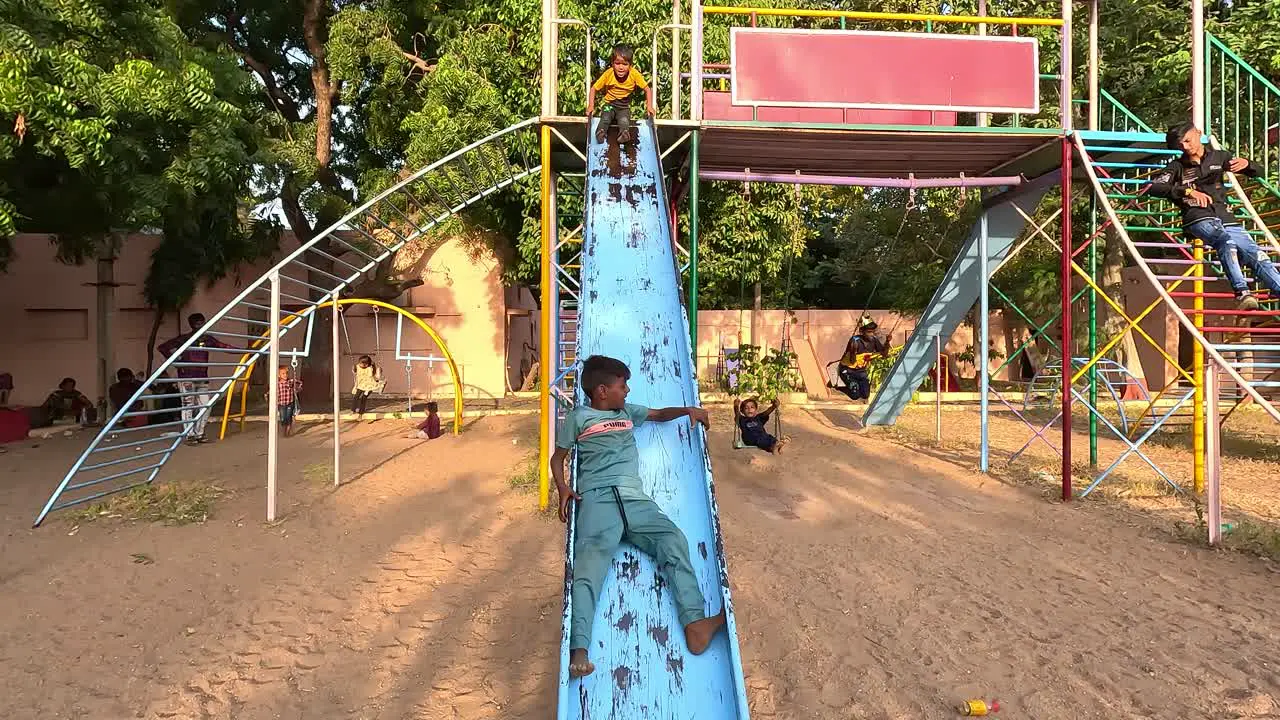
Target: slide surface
[631,309]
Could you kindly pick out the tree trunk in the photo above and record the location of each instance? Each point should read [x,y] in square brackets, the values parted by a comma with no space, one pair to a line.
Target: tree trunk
[156,322]
[1113,323]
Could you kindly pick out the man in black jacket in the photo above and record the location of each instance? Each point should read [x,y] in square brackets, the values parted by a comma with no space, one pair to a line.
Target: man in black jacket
[1194,182]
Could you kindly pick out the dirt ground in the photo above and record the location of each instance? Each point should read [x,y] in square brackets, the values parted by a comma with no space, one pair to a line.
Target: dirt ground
[874,577]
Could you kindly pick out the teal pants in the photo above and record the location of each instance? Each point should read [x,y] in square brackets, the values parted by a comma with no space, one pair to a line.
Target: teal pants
[606,517]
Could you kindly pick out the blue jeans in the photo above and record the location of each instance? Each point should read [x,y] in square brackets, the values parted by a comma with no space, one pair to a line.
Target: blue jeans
[856,383]
[1234,246]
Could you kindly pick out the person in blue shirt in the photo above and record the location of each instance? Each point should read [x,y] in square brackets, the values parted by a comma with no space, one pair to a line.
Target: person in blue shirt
[613,507]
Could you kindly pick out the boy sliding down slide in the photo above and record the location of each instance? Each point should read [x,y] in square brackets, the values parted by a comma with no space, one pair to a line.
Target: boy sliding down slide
[618,83]
[612,507]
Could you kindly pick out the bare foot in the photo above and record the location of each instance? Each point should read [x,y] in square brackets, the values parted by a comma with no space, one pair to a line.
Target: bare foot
[579,665]
[698,634]
[777,447]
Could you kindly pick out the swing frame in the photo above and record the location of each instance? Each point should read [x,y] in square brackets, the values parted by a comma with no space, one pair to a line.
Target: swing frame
[250,359]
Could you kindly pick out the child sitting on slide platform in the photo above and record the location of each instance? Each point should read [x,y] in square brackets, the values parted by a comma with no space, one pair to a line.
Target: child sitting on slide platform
[613,507]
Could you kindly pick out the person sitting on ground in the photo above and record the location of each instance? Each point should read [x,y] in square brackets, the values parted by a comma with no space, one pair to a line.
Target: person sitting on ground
[857,353]
[618,83]
[68,402]
[368,380]
[1194,182]
[121,390]
[612,506]
[429,429]
[752,423]
[287,390]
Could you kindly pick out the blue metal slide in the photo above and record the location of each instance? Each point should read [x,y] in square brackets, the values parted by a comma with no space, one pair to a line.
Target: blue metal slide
[955,296]
[631,309]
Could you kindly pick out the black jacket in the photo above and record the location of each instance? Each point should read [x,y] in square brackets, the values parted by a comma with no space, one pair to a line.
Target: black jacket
[1182,175]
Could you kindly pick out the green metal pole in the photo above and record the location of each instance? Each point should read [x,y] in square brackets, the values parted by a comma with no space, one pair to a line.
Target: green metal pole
[693,244]
[1093,335]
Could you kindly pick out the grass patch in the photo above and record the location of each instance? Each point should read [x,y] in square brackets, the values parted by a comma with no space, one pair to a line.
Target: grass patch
[524,477]
[1244,535]
[318,473]
[171,504]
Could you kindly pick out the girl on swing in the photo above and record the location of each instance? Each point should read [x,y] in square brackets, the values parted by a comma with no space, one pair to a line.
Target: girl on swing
[752,423]
[368,380]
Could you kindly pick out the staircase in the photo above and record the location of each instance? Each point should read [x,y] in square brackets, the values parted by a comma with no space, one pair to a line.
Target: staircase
[1242,343]
[342,255]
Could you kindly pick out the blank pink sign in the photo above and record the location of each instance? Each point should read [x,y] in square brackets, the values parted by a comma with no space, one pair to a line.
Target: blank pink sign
[903,71]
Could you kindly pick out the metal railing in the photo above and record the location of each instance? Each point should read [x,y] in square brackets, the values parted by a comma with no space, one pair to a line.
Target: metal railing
[1242,107]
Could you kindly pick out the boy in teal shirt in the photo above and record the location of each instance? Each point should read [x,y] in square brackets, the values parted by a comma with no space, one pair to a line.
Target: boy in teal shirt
[612,507]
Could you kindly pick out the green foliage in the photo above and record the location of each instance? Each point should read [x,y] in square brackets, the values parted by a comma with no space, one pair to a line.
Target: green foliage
[120,116]
[766,376]
[879,366]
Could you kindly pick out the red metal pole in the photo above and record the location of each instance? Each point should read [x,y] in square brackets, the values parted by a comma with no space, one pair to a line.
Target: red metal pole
[1067,156]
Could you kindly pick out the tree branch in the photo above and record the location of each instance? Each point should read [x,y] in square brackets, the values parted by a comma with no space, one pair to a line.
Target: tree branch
[285,105]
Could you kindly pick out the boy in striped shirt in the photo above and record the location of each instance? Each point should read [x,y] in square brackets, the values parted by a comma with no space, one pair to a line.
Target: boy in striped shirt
[613,507]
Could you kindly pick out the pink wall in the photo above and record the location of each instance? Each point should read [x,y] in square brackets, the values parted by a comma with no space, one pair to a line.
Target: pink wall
[828,331]
[48,311]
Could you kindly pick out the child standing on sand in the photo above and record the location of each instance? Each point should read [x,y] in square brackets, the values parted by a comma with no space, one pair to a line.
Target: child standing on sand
[612,507]
[618,83]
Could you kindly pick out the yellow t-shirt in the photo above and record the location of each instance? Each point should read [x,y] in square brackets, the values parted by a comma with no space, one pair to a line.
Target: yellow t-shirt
[619,91]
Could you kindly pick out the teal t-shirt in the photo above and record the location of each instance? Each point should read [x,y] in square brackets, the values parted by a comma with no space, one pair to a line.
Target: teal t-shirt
[606,442]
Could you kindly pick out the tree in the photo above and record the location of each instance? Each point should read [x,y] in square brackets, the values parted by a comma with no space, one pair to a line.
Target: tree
[117,120]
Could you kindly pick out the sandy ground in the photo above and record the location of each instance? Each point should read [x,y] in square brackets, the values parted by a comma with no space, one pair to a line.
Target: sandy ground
[873,579]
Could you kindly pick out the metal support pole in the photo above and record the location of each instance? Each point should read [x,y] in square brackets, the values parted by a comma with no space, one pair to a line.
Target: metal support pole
[1065,279]
[937,387]
[550,57]
[675,61]
[695,47]
[1067,68]
[1197,370]
[1094,70]
[1197,64]
[547,369]
[273,395]
[1093,335]
[693,243]
[984,369]
[983,118]
[337,397]
[1197,367]
[1213,496]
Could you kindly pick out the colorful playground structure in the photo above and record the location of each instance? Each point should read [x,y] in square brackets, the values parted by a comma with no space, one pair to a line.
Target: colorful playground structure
[742,104]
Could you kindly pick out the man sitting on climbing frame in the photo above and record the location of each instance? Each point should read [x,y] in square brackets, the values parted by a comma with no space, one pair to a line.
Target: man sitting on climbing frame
[1194,182]
[857,354]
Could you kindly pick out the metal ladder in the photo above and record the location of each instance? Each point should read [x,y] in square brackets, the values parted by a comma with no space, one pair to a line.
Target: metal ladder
[1119,165]
[122,456]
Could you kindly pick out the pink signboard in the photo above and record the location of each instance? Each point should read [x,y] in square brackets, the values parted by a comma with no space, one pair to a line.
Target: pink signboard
[897,71]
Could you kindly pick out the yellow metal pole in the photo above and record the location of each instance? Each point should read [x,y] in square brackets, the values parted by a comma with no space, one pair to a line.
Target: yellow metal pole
[1197,370]
[547,368]
[889,16]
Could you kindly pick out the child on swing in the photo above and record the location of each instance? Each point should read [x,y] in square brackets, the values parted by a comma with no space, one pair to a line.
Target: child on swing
[752,423]
[613,507]
[287,403]
[618,83]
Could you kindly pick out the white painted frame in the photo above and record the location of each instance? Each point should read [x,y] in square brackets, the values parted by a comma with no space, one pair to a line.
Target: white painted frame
[741,102]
